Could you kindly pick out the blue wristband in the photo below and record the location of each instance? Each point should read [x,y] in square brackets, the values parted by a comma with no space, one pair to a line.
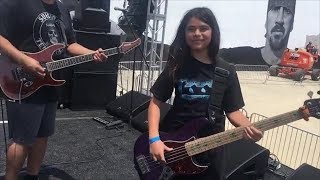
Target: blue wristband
[154,139]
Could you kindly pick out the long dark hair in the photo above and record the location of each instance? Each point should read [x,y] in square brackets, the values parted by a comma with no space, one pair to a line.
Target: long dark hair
[180,51]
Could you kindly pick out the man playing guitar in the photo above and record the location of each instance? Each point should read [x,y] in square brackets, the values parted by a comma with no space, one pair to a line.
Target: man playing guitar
[32,26]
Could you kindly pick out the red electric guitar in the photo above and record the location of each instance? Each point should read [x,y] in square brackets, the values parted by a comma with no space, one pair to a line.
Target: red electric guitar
[17,83]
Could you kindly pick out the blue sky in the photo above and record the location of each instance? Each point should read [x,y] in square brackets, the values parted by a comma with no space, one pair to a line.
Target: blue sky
[241,22]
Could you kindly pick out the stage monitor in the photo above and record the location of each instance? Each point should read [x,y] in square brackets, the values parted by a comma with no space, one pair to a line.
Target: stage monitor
[245,160]
[97,4]
[305,172]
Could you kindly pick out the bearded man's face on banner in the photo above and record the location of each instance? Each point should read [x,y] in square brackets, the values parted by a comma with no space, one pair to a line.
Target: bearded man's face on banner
[279,24]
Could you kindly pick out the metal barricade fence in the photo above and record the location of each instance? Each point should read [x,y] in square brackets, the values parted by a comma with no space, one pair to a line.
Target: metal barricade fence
[130,71]
[252,73]
[259,74]
[293,146]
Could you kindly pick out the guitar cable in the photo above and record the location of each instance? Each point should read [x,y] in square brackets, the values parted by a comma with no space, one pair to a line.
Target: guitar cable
[274,166]
[94,159]
[20,89]
[3,125]
[130,25]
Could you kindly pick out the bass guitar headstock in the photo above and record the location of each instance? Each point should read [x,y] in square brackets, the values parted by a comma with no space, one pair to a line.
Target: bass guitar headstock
[313,106]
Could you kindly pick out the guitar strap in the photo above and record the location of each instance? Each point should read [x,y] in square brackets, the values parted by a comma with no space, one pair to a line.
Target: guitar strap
[216,117]
[219,86]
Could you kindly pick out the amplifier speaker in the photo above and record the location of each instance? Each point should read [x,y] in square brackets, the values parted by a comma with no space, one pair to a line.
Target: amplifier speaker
[140,121]
[2,94]
[245,160]
[93,90]
[95,41]
[64,91]
[305,172]
[124,108]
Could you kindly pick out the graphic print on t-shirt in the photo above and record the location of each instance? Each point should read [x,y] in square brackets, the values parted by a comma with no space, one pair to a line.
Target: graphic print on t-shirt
[47,31]
[193,90]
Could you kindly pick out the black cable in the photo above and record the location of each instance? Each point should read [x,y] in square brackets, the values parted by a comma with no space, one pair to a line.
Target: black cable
[134,65]
[140,82]
[132,88]
[3,125]
[136,37]
[279,173]
[273,169]
[121,81]
[84,161]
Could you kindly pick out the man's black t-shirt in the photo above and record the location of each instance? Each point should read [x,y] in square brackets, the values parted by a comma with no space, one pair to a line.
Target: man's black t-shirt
[243,55]
[192,85]
[31,26]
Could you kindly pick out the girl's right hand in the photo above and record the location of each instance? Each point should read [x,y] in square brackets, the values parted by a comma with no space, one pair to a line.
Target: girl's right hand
[157,150]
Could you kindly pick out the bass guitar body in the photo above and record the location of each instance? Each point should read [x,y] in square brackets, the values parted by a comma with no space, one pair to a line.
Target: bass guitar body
[177,162]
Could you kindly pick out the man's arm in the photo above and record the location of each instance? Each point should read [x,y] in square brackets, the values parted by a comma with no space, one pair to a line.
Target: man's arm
[76,49]
[31,64]
[8,49]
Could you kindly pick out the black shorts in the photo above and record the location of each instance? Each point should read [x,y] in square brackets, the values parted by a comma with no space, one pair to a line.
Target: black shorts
[28,121]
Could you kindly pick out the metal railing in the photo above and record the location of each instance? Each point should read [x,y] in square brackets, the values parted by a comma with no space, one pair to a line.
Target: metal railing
[129,72]
[259,74]
[291,145]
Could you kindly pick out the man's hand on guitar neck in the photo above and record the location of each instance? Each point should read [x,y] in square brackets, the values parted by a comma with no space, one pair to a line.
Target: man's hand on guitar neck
[99,55]
[76,49]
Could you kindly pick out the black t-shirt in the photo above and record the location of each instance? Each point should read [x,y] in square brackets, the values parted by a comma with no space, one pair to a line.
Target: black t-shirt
[31,26]
[243,55]
[192,85]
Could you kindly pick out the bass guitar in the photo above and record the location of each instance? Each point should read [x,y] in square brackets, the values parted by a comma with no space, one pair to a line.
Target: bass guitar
[17,83]
[185,144]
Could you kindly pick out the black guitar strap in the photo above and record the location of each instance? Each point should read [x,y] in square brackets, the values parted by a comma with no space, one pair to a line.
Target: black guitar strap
[219,85]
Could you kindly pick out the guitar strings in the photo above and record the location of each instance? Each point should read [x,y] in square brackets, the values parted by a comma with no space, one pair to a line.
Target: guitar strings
[175,155]
[155,164]
[267,124]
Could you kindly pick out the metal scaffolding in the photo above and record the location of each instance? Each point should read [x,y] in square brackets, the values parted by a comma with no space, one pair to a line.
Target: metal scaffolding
[153,43]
